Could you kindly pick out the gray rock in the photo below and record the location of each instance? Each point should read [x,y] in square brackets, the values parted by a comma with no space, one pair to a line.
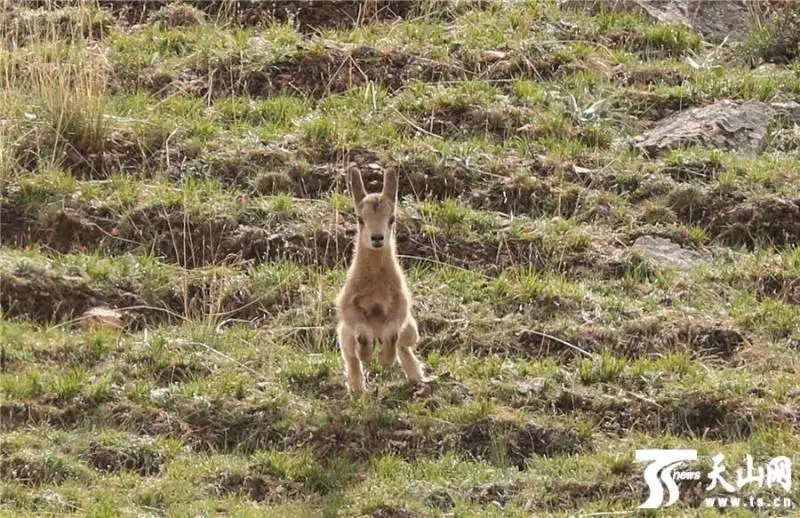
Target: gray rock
[713,19]
[716,20]
[663,253]
[729,125]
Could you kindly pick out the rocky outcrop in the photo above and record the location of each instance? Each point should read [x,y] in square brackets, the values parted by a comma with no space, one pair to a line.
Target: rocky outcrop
[715,20]
[663,253]
[726,125]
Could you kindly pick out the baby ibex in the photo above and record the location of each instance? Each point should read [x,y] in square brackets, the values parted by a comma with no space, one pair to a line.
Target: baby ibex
[375,302]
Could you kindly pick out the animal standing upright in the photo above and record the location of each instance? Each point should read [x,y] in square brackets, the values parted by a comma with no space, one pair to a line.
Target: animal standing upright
[375,303]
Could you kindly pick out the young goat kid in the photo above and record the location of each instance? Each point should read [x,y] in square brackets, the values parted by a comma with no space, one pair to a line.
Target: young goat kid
[375,302]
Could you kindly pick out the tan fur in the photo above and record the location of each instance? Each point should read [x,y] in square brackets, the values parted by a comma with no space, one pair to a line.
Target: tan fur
[375,302]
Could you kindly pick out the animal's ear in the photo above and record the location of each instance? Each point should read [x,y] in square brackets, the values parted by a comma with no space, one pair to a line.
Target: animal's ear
[357,185]
[390,184]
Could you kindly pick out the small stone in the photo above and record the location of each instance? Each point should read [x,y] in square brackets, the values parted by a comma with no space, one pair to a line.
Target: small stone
[160,395]
[664,253]
[583,171]
[534,386]
[100,317]
[493,55]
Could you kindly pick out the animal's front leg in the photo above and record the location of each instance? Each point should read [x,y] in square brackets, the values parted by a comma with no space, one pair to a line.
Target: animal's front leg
[354,371]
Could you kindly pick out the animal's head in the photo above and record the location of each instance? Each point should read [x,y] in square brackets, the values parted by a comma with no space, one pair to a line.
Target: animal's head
[375,211]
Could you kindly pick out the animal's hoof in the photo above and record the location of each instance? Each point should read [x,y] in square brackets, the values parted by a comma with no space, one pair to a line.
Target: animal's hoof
[425,389]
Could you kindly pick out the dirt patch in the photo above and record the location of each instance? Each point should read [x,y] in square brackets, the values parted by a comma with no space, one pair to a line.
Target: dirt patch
[167,373]
[711,340]
[226,426]
[734,220]
[138,455]
[518,443]
[167,231]
[361,440]
[44,298]
[708,415]
[309,15]
[47,296]
[232,426]
[142,420]
[393,512]
[18,415]
[782,44]
[69,231]
[177,15]
[518,195]
[780,286]
[694,169]
[703,338]
[465,121]
[430,179]
[321,70]
[322,382]
[440,499]
[36,468]
[259,485]
[488,256]
[536,344]
[532,196]
[88,156]
[496,493]
[548,340]
[691,414]
[187,240]
[313,72]
[312,15]
[651,76]
[571,495]
[23,25]
[85,354]
[655,106]
[220,240]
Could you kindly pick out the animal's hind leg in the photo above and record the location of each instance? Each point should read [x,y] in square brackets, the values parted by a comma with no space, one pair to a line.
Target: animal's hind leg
[365,344]
[352,364]
[409,336]
[388,349]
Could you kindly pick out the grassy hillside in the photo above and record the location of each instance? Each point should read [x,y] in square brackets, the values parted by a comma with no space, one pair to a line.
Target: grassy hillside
[188,167]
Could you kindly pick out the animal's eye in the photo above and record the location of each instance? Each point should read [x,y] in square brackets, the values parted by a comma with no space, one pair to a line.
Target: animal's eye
[391,220]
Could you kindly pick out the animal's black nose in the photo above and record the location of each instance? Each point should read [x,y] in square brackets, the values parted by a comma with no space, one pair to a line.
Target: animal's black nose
[377,238]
